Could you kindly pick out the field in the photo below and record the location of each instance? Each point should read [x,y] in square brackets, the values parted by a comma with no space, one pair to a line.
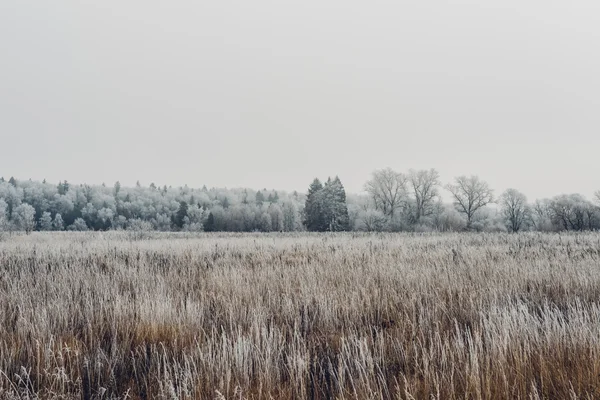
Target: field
[469,316]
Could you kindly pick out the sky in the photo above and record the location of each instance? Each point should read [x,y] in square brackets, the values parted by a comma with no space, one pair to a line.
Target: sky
[272,93]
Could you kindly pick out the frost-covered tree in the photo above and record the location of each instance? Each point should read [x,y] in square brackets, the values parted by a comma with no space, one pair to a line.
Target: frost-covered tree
[104,218]
[290,216]
[162,222]
[371,220]
[326,208]
[489,219]
[58,224]
[12,195]
[63,188]
[541,216]
[314,208]
[470,194]
[514,208]
[424,185]
[209,225]
[78,225]
[45,222]
[573,212]
[259,199]
[179,219]
[265,222]
[276,215]
[24,218]
[4,220]
[218,219]
[139,225]
[335,206]
[388,189]
[192,222]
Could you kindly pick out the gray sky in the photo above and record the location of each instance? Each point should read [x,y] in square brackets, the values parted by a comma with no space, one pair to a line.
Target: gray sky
[273,93]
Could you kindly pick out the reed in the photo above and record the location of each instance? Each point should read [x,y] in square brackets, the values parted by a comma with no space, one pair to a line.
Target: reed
[286,316]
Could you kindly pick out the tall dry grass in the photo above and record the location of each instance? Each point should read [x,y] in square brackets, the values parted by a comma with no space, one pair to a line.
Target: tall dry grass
[468,316]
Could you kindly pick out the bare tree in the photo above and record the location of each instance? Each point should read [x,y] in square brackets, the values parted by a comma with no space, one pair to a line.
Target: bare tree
[541,215]
[514,209]
[388,190]
[425,185]
[470,194]
[597,196]
[572,212]
[372,221]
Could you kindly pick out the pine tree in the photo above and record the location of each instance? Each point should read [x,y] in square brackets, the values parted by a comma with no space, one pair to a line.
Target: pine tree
[117,189]
[260,198]
[313,209]
[63,187]
[328,197]
[45,222]
[181,214]
[225,203]
[339,219]
[210,223]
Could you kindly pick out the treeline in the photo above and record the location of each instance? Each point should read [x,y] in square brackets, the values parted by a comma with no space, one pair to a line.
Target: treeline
[393,201]
[29,205]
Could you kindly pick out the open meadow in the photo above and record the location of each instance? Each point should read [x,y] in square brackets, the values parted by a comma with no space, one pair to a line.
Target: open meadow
[308,316]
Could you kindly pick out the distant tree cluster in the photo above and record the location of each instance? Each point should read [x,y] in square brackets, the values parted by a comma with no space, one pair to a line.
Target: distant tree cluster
[326,209]
[398,201]
[28,205]
[393,201]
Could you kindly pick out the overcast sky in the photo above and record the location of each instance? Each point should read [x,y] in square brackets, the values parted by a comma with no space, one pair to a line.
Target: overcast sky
[273,93]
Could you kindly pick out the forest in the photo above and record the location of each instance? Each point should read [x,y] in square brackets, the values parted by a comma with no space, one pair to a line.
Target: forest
[392,202]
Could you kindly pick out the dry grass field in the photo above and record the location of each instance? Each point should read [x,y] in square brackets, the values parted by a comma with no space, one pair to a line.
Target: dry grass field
[341,316]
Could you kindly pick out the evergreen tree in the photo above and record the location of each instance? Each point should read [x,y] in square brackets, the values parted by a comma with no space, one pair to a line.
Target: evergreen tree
[117,188]
[313,209]
[210,223]
[181,214]
[58,223]
[335,207]
[260,198]
[12,181]
[225,203]
[63,187]
[45,222]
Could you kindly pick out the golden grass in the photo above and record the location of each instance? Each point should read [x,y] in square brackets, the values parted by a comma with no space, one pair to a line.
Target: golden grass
[469,316]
